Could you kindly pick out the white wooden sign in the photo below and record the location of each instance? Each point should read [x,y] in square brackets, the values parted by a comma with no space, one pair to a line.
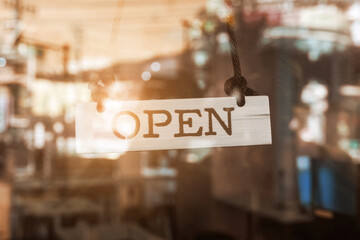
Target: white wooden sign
[172,124]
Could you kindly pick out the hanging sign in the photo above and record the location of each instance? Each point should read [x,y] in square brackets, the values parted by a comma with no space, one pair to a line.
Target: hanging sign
[172,124]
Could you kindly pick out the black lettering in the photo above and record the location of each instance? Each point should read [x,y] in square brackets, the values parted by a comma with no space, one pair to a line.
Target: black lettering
[227,128]
[182,122]
[150,114]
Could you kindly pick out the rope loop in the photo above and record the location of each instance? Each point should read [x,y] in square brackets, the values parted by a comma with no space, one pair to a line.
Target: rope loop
[235,86]
[99,88]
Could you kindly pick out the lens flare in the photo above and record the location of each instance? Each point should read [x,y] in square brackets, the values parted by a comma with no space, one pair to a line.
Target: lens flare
[125,125]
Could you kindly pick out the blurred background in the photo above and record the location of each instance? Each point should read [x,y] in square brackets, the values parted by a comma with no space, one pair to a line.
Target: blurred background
[305,55]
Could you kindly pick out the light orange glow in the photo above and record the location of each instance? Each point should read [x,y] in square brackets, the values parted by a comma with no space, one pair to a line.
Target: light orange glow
[138,30]
[5,199]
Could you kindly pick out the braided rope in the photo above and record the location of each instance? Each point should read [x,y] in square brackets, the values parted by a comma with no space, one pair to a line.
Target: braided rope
[236,86]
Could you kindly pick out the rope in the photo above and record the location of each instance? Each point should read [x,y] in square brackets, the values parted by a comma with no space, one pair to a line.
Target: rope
[236,86]
[99,87]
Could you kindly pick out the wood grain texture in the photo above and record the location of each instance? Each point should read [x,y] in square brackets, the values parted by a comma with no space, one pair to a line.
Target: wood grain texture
[168,124]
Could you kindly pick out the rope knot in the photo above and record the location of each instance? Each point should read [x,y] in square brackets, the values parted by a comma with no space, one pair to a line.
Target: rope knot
[235,88]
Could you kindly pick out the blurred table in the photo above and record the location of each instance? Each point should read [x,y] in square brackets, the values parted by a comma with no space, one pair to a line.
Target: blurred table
[267,212]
